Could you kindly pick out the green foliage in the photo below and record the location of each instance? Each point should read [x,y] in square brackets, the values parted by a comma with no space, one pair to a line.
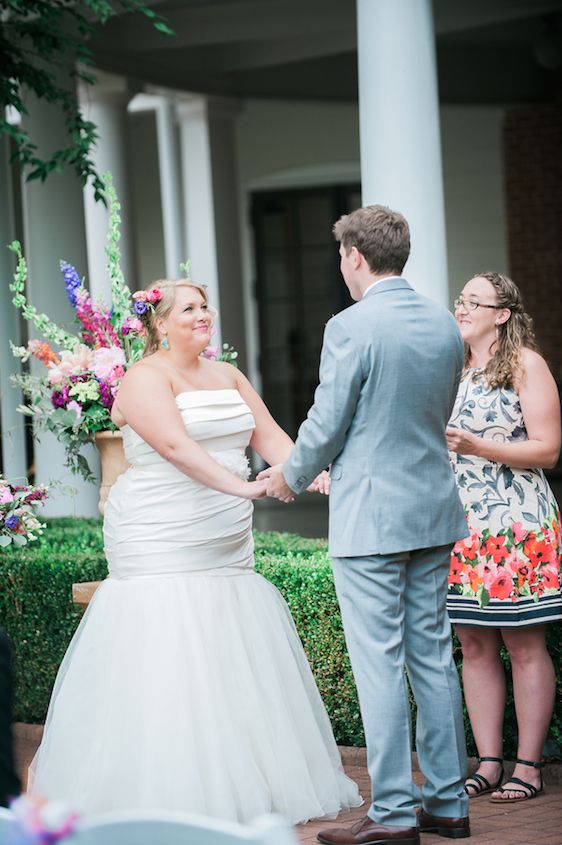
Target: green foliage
[37,611]
[39,41]
[41,322]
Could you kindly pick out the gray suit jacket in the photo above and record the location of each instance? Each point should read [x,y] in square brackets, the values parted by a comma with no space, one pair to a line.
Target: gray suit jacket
[389,373]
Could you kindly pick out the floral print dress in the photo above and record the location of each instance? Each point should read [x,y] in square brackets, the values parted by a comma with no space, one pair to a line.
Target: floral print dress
[507,573]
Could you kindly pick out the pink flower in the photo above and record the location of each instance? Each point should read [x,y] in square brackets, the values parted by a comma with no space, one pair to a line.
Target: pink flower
[512,562]
[487,572]
[154,295]
[550,576]
[6,495]
[518,532]
[106,360]
[71,363]
[133,324]
[210,352]
[76,407]
[141,295]
[502,586]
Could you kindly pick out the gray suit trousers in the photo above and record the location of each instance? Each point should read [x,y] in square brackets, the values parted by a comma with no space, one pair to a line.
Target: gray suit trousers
[394,617]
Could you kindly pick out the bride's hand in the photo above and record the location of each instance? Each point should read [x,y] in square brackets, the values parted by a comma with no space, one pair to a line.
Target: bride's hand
[254,489]
[321,484]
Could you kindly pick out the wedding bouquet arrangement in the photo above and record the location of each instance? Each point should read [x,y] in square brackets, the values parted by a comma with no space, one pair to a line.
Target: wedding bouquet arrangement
[18,523]
[73,398]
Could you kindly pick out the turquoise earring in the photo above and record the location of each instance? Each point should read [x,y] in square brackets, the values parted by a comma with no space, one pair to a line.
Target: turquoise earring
[165,344]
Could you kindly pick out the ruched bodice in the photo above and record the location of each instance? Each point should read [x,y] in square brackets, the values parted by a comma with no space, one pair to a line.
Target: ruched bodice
[219,420]
[154,506]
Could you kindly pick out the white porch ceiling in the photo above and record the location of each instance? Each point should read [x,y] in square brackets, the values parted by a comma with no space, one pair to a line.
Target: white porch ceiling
[304,49]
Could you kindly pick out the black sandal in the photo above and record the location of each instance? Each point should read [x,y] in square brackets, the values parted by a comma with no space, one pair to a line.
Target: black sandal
[482,785]
[529,791]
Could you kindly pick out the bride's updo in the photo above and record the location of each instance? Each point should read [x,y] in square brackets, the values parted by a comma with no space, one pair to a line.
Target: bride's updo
[162,308]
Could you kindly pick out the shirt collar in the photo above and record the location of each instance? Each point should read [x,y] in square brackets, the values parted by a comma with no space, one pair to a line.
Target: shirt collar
[385,279]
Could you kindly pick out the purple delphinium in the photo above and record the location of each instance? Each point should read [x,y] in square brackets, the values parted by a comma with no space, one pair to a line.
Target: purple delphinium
[106,396]
[140,307]
[59,398]
[12,522]
[72,281]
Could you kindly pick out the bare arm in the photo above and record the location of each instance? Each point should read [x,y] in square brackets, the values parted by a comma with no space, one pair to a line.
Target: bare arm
[147,403]
[269,440]
[540,406]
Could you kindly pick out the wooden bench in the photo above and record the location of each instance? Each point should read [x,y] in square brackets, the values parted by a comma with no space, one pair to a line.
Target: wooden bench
[82,593]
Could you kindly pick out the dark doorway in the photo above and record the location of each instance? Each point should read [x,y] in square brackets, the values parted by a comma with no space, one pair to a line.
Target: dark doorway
[298,289]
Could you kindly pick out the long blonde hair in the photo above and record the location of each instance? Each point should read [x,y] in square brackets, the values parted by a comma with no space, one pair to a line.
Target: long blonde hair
[161,309]
[512,336]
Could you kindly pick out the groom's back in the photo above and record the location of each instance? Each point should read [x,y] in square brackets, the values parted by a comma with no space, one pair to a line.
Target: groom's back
[394,465]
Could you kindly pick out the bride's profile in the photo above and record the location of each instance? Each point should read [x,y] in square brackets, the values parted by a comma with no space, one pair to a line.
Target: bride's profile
[186,686]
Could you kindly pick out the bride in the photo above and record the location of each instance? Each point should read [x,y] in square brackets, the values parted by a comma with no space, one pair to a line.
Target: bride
[185,686]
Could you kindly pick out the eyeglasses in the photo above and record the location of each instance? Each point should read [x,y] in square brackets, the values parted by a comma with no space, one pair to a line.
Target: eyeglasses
[471,305]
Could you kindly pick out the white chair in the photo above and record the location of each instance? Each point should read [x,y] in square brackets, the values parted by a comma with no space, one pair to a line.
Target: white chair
[179,829]
[7,826]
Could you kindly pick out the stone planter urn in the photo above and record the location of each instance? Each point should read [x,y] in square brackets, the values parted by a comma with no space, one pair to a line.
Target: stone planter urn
[113,462]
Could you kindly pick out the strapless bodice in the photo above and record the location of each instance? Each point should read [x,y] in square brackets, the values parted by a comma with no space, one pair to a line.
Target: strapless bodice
[219,420]
[159,521]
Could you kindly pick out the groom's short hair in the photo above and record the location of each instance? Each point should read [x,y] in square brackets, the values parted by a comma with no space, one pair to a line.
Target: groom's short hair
[381,235]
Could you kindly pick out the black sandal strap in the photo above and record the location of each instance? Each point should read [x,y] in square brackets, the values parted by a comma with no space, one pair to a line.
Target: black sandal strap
[491,760]
[532,789]
[529,763]
[480,779]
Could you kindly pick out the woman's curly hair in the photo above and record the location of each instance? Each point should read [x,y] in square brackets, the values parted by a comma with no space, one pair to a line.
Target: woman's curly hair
[512,336]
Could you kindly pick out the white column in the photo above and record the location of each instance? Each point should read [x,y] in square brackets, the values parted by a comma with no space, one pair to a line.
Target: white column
[170,188]
[13,437]
[53,214]
[399,129]
[106,105]
[211,208]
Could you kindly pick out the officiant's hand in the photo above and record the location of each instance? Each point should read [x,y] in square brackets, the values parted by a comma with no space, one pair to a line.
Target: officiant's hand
[461,441]
[321,484]
[277,487]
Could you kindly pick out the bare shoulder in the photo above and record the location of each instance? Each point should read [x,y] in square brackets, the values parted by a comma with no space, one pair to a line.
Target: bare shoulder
[144,373]
[532,368]
[221,374]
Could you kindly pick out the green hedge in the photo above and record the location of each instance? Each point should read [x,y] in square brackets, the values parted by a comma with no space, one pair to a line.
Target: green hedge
[37,611]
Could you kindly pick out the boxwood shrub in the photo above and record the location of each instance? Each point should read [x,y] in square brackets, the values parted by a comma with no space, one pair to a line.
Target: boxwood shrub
[37,611]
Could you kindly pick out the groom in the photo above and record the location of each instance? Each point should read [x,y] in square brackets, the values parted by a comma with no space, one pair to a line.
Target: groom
[389,373]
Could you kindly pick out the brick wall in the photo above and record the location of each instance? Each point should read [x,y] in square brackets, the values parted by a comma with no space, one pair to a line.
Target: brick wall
[533,172]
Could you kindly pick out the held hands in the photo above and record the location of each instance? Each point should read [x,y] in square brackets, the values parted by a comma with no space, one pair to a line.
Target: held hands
[254,490]
[277,487]
[461,441]
[321,484]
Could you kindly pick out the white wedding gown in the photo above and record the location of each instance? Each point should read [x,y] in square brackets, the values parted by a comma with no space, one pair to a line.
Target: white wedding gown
[185,686]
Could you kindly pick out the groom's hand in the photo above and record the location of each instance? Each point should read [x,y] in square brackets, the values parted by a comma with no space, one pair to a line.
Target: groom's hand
[277,487]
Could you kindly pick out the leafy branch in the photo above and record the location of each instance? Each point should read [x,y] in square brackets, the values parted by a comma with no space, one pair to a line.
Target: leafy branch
[39,41]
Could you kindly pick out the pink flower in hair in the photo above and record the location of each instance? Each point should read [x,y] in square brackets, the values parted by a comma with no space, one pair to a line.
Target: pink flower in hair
[154,295]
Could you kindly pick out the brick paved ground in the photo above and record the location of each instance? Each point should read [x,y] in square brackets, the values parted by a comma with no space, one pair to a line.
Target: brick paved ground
[536,822]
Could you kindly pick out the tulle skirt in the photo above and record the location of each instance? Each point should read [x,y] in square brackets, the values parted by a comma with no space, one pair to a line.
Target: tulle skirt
[191,693]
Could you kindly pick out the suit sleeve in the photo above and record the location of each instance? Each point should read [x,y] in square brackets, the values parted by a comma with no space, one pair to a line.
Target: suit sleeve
[322,435]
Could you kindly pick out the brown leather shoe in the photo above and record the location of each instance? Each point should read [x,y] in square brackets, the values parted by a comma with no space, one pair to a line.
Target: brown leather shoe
[368,832]
[443,826]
